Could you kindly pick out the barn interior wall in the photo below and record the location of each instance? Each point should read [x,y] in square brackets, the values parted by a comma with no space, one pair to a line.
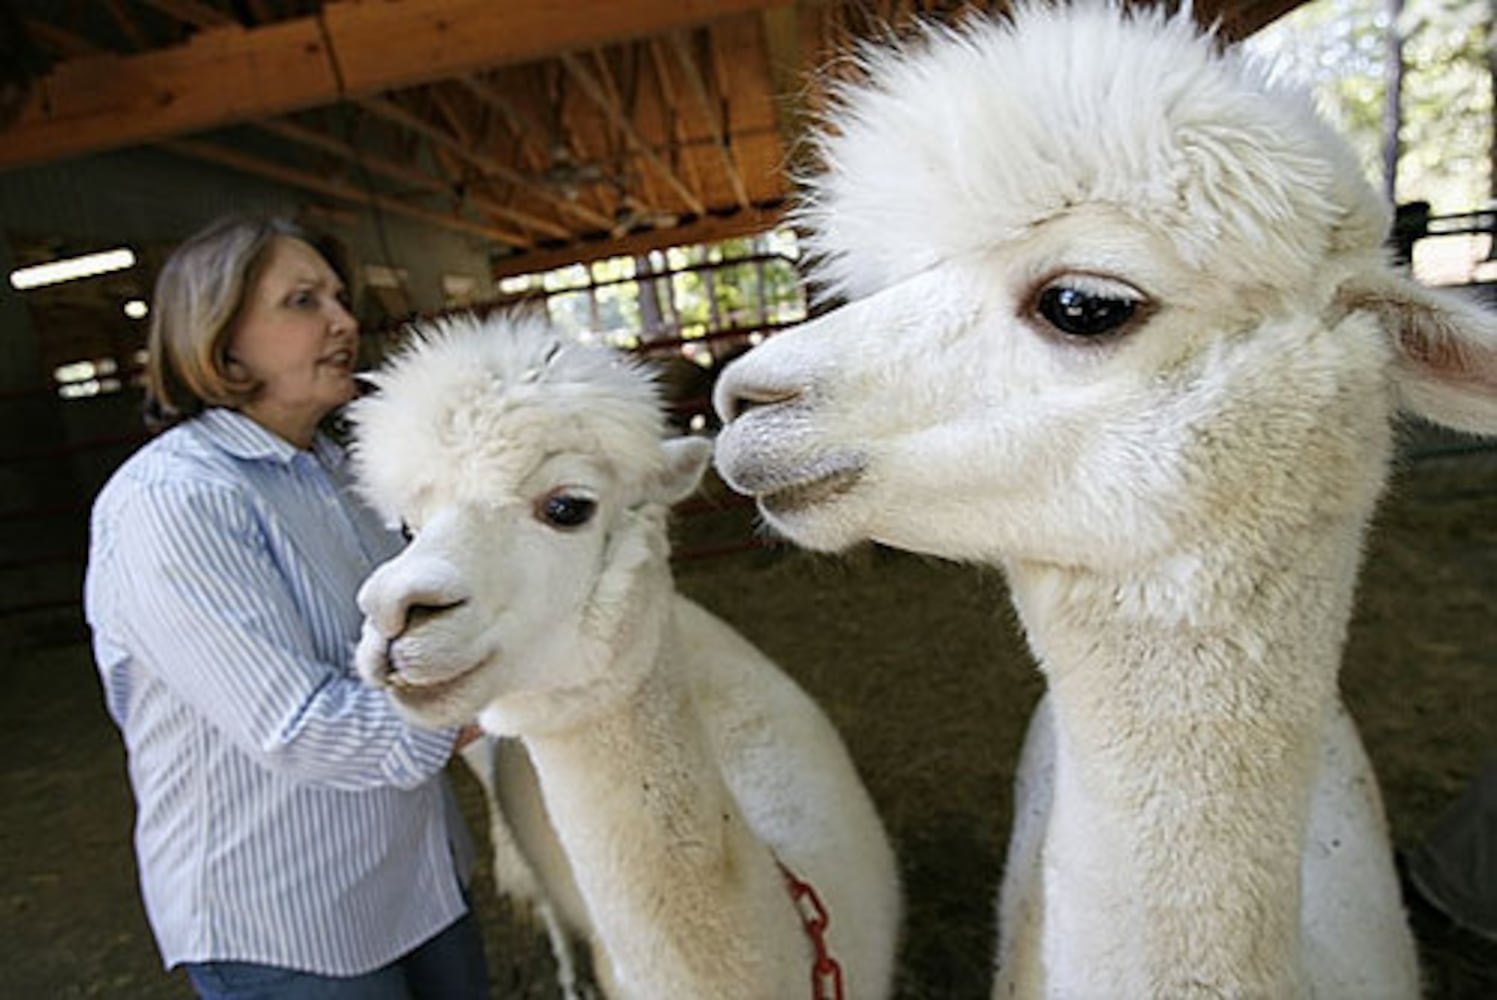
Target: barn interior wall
[56,453]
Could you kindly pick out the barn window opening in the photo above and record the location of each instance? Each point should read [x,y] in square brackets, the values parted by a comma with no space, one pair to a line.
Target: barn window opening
[696,306]
[684,298]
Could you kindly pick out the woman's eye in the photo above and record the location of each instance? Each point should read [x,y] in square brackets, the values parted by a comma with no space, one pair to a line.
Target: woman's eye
[567,510]
[1088,307]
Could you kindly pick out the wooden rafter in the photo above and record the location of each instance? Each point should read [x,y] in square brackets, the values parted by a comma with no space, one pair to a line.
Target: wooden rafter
[650,202]
[59,41]
[708,106]
[671,105]
[781,28]
[399,172]
[594,91]
[234,159]
[393,112]
[260,11]
[350,49]
[199,15]
[127,25]
[520,126]
[706,229]
[447,108]
[568,142]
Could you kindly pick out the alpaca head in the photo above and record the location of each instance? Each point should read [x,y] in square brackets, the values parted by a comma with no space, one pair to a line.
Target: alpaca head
[1112,290]
[515,457]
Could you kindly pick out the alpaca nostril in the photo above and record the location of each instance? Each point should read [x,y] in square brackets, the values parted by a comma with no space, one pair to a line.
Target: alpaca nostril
[741,399]
[418,614]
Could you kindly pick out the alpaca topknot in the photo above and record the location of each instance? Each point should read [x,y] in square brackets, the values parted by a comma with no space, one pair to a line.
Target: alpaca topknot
[963,138]
[493,396]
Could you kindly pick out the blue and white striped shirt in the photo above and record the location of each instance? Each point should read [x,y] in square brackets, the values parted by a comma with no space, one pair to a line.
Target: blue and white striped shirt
[286,814]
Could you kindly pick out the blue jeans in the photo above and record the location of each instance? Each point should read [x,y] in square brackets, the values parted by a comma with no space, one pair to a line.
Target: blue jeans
[448,967]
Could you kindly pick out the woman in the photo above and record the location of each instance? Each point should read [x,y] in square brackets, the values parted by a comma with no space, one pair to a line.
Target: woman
[295,836]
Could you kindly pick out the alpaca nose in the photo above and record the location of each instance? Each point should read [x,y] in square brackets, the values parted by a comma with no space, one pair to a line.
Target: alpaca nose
[420,612]
[736,394]
[395,603]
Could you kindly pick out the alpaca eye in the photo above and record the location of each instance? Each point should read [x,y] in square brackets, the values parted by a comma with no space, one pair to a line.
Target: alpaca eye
[567,510]
[1087,306]
[406,532]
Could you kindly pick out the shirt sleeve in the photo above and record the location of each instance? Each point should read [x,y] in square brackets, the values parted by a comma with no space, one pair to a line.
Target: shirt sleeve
[204,608]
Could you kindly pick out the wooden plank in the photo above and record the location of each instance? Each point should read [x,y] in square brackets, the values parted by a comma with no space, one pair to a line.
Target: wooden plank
[236,160]
[788,79]
[596,93]
[390,111]
[384,44]
[104,101]
[191,12]
[709,107]
[229,74]
[402,173]
[707,229]
[138,38]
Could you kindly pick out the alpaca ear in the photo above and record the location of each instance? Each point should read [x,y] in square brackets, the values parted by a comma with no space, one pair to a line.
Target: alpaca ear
[686,461]
[1446,347]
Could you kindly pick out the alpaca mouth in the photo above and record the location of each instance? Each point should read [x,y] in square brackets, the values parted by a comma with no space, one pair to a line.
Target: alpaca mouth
[811,492]
[414,693]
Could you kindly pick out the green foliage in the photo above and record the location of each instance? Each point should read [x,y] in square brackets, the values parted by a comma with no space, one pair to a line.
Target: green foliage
[685,291]
[1337,48]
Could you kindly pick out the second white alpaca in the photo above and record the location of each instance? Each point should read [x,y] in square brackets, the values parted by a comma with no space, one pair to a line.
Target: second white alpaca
[695,807]
[1122,324]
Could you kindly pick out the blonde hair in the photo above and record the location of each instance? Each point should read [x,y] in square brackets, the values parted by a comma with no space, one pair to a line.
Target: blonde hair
[199,294]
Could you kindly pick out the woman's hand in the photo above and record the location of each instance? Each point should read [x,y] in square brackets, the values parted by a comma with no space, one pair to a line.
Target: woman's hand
[467,734]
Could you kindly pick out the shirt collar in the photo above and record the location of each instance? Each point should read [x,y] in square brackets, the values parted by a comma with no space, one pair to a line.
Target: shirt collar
[242,438]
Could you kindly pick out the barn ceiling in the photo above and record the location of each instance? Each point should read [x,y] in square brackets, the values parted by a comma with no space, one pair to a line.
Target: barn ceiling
[552,131]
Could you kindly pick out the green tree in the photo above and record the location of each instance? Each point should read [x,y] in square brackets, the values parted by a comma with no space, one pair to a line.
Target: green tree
[1337,47]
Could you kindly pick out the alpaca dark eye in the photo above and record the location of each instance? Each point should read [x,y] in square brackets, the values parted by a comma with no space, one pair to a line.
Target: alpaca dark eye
[567,510]
[406,532]
[1088,308]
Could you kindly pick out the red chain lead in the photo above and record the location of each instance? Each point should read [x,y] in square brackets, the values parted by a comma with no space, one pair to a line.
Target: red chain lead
[826,974]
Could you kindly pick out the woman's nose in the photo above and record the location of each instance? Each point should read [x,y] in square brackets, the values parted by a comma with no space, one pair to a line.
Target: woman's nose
[340,318]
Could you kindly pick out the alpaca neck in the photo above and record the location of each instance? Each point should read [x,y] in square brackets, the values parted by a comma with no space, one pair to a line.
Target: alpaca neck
[1189,702]
[684,900]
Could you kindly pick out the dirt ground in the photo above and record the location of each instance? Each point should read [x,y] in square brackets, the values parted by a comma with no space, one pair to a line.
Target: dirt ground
[917,661]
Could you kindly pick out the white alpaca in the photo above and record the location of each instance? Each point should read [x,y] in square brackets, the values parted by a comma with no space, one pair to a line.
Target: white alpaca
[1121,324]
[679,768]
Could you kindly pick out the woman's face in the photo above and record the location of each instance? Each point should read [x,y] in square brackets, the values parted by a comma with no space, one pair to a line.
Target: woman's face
[296,337]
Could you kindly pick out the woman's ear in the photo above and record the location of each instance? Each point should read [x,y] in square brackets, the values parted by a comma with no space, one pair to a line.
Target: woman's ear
[1445,346]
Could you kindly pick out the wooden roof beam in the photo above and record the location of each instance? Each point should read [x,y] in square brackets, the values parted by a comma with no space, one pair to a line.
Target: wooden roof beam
[127,24]
[192,12]
[786,74]
[707,229]
[595,93]
[698,85]
[236,160]
[393,112]
[647,197]
[401,173]
[521,126]
[260,11]
[91,103]
[59,41]
[672,108]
